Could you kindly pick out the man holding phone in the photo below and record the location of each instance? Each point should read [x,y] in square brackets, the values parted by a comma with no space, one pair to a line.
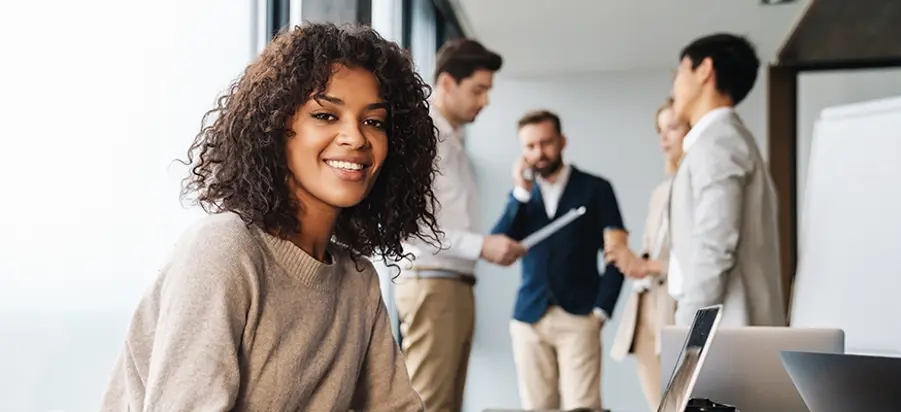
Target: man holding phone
[563,301]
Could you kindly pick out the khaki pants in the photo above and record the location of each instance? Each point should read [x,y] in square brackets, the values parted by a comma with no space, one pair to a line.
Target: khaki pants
[437,321]
[644,346]
[558,361]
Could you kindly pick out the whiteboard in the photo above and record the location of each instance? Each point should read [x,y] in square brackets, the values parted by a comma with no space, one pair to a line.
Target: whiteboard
[849,246]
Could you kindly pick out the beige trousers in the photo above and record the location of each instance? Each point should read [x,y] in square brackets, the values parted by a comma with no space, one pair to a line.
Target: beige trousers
[558,361]
[437,321]
[644,346]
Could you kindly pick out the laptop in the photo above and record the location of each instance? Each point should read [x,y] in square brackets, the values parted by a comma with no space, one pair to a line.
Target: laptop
[835,382]
[761,385]
[691,359]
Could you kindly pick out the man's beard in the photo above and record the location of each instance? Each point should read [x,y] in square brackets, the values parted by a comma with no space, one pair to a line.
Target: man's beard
[551,168]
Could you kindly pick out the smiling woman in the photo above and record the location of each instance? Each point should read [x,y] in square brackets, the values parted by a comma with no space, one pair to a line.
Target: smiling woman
[322,152]
[343,131]
[241,161]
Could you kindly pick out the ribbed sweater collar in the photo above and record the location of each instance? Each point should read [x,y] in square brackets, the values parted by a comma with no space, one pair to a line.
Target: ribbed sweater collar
[313,273]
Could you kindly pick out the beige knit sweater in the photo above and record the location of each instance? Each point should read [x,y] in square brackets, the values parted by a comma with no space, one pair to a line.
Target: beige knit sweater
[240,320]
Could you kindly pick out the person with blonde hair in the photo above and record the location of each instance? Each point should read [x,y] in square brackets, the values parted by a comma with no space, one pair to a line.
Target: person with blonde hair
[650,307]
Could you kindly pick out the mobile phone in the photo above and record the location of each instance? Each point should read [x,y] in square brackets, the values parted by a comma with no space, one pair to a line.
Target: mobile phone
[528,174]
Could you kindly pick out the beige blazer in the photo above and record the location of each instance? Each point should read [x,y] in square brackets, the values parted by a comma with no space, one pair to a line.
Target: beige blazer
[723,228]
[663,303]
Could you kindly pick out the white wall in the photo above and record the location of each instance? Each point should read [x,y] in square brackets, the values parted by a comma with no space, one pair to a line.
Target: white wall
[100,96]
[609,122]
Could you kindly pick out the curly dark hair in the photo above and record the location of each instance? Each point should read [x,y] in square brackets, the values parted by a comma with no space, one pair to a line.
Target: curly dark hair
[238,162]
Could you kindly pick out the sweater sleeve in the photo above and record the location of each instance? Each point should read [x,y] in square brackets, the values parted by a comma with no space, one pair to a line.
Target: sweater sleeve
[184,340]
[384,385]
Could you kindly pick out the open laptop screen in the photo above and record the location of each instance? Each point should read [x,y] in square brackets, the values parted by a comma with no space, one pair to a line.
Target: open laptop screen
[684,375]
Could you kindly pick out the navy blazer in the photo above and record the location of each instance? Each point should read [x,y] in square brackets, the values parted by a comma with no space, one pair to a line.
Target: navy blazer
[563,269]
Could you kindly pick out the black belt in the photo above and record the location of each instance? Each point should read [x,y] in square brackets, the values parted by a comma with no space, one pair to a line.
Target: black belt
[440,274]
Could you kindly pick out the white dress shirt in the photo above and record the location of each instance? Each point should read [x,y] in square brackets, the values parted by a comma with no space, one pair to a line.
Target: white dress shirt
[675,278]
[456,191]
[550,191]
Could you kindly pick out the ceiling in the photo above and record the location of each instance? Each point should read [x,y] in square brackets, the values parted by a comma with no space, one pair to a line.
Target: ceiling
[540,37]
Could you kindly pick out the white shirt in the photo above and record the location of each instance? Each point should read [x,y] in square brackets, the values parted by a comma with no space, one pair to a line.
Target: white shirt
[550,191]
[550,196]
[456,191]
[643,284]
[675,278]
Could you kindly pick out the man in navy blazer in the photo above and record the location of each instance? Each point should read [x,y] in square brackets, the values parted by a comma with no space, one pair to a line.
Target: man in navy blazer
[563,300]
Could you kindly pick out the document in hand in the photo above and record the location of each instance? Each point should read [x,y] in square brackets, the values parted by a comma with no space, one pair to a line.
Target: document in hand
[551,228]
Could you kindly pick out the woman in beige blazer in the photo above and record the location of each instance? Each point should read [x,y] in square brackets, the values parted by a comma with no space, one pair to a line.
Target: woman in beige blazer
[650,306]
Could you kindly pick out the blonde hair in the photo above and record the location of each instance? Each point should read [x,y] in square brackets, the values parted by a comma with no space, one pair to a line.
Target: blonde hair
[671,165]
[666,105]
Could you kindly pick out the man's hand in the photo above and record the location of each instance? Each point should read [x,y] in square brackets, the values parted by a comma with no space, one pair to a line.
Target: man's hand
[617,254]
[615,238]
[600,315]
[519,169]
[501,250]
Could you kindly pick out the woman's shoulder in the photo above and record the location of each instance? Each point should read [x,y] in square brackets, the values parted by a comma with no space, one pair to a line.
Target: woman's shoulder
[220,236]
[660,194]
[224,223]
[662,188]
[215,254]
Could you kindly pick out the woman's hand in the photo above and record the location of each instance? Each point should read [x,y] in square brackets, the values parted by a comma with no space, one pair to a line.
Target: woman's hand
[637,269]
[627,263]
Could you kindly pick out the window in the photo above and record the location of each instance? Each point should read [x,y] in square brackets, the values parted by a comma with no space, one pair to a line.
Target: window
[423,36]
[388,19]
[278,16]
[90,207]
[426,28]
[446,29]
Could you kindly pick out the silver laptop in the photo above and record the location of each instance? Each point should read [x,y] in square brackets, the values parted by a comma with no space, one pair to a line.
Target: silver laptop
[744,368]
[835,382]
[695,344]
